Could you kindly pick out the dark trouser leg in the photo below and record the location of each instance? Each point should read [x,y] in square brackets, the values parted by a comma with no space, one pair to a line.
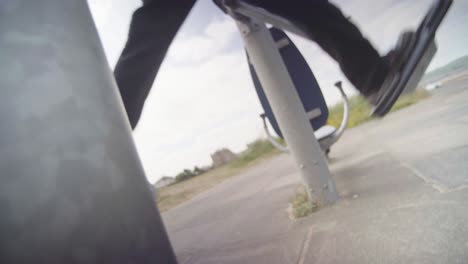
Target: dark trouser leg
[337,36]
[152,29]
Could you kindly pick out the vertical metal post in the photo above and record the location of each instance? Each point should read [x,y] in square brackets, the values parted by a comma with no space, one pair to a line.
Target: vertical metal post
[289,111]
[72,189]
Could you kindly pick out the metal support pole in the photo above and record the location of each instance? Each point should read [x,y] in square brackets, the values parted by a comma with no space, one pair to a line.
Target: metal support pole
[72,189]
[289,111]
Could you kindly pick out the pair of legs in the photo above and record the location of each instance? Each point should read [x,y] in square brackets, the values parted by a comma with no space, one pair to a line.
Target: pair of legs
[155,24]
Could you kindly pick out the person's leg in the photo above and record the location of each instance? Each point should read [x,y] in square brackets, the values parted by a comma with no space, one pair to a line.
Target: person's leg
[152,30]
[337,36]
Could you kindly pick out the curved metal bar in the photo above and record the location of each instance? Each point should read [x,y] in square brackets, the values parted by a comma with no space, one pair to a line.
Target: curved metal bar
[346,107]
[327,142]
[270,138]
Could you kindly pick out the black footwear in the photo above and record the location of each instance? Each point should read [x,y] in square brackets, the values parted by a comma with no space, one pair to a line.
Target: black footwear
[396,59]
[417,50]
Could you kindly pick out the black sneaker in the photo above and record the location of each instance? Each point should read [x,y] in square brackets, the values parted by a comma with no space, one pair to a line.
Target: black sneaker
[396,60]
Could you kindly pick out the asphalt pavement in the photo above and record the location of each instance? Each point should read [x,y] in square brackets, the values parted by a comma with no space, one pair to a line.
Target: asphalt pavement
[403,183]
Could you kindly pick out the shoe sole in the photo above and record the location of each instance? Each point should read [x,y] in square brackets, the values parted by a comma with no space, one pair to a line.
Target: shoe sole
[421,51]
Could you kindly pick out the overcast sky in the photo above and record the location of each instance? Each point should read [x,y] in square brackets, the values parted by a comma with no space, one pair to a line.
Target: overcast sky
[203,98]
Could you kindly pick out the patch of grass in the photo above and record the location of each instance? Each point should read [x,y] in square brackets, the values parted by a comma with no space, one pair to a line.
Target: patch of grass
[301,205]
[360,109]
[178,193]
[257,149]
[410,99]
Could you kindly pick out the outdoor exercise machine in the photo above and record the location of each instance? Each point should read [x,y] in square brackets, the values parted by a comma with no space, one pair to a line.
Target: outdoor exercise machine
[309,92]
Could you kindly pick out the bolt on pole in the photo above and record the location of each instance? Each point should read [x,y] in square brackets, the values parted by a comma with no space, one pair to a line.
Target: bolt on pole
[288,110]
[72,188]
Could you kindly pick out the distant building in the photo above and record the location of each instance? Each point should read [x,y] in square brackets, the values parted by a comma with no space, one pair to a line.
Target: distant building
[164,181]
[222,157]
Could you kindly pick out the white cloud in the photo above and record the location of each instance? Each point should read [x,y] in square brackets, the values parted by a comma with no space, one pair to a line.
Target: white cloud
[216,37]
[100,9]
[112,19]
[196,108]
